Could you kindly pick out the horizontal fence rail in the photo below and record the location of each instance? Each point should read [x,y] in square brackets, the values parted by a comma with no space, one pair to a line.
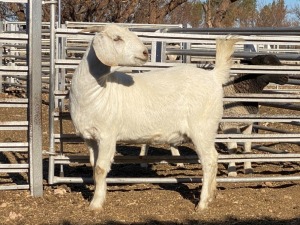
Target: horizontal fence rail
[66,159]
[172,180]
[195,46]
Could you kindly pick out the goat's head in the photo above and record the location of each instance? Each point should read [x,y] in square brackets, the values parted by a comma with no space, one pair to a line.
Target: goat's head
[117,46]
[271,60]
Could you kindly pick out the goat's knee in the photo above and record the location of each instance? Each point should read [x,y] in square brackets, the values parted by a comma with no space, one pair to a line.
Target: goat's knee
[99,171]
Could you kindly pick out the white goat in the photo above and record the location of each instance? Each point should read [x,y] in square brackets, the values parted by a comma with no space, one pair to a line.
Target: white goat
[242,83]
[166,106]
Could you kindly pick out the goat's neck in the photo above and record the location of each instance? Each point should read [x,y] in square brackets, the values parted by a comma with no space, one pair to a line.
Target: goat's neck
[90,78]
[95,69]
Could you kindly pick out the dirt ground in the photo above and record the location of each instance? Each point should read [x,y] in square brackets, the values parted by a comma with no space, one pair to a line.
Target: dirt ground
[235,203]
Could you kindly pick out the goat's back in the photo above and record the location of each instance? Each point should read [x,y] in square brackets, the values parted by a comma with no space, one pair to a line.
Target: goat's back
[170,104]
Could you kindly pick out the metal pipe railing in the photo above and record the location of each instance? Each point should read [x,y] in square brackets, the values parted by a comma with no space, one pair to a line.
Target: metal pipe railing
[149,37]
[51,93]
[172,180]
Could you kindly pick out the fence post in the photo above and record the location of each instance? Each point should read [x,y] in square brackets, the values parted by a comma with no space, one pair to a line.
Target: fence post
[1,78]
[52,79]
[35,96]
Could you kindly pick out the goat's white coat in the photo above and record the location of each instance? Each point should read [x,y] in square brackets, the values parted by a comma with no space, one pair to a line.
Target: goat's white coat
[165,106]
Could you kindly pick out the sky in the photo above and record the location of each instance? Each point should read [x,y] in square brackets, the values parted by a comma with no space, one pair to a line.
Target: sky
[288,3]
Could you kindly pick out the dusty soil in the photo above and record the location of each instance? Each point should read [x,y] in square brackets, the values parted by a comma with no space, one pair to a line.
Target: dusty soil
[235,203]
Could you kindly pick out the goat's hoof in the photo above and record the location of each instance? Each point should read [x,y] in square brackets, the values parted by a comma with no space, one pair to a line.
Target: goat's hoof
[232,174]
[232,171]
[200,207]
[180,165]
[249,171]
[95,207]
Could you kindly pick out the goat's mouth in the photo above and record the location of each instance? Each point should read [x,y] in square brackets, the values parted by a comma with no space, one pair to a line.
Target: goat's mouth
[140,60]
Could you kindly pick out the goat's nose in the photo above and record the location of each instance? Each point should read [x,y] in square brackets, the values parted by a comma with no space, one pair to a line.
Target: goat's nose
[145,53]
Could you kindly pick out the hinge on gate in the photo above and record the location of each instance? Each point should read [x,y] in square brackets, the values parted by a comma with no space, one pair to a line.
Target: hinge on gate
[48,153]
[49,2]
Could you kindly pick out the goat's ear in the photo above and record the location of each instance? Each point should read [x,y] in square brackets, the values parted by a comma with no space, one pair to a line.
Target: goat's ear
[102,50]
[92,29]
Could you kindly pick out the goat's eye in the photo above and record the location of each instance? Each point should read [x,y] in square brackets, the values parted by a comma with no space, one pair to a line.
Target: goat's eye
[117,38]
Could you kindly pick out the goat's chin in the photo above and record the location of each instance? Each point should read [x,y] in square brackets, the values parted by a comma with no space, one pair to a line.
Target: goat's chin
[133,61]
[139,61]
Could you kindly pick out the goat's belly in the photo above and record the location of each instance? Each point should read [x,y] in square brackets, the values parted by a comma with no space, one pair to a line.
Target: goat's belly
[175,138]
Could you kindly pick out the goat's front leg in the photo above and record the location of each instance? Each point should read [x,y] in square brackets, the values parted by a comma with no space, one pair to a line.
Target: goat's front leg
[106,152]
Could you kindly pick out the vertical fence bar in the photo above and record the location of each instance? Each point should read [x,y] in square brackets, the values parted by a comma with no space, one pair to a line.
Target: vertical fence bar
[1,57]
[51,95]
[34,10]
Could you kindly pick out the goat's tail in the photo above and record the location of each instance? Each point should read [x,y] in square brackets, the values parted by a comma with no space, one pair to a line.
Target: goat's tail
[224,51]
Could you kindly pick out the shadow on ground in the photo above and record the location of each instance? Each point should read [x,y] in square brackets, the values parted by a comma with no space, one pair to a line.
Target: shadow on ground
[228,221]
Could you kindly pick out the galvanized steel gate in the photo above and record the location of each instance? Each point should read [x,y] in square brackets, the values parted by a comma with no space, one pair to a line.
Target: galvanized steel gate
[194,43]
[30,167]
[64,40]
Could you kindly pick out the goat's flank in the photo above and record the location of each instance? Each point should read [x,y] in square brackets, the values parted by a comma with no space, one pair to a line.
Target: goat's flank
[242,83]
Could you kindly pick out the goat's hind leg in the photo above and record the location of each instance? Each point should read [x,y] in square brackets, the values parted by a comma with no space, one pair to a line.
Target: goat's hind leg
[106,151]
[209,159]
[144,152]
[175,152]
[93,150]
[232,149]
[247,149]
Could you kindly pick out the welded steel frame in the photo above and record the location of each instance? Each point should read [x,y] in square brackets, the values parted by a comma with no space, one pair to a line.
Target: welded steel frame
[33,103]
[52,93]
[59,159]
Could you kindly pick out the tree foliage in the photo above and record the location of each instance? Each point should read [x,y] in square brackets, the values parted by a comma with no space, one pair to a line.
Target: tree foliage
[118,11]
[216,11]
[198,13]
[245,13]
[273,15]
[241,14]
[296,10]
[12,11]
[190,13]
